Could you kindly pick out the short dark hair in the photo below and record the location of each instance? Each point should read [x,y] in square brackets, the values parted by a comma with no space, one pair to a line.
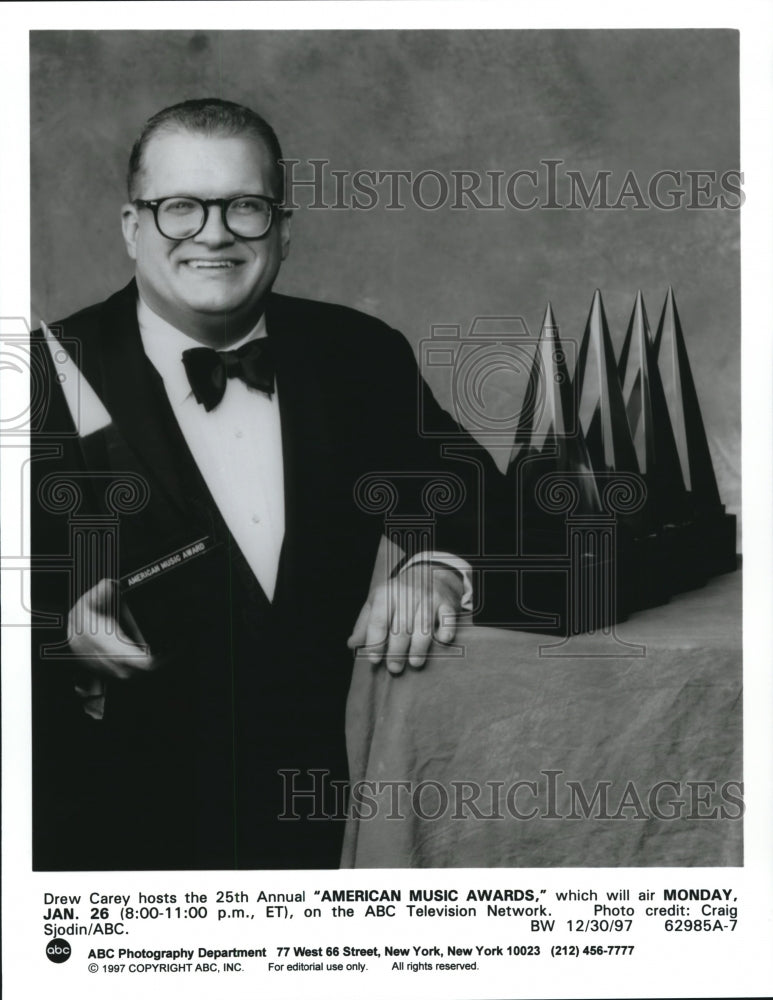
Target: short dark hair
[208,116]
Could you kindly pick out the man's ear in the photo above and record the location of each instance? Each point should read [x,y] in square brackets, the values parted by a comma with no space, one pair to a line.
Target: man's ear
[130,224]
[284,224]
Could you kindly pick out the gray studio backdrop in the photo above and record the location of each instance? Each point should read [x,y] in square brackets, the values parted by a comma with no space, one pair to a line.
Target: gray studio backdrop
[443,101]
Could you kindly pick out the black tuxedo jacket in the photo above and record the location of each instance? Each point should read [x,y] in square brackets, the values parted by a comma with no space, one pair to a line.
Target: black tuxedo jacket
[192,765]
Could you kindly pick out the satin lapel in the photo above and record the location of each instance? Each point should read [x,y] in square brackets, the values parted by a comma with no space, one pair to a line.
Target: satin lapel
[307,440]
[133,393]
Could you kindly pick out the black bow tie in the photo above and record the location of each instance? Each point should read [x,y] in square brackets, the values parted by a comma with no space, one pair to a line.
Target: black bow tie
[208,370]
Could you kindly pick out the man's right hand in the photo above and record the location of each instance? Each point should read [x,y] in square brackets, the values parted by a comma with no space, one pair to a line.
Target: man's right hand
[107,647]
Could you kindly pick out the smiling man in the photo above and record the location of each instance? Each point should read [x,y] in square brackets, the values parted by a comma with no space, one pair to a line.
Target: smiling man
[201,700]
[205,271]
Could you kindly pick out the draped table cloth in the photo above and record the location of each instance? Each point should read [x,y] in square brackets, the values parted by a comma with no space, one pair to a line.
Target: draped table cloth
[512,749]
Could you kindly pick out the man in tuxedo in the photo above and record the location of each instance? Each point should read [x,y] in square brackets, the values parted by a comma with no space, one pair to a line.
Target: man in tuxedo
[200,700]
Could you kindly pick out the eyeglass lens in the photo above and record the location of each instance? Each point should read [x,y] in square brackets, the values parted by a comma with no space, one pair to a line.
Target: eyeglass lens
[179,218]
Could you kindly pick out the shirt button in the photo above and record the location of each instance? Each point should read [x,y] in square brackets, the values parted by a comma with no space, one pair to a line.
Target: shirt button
[240,433]
[256,519]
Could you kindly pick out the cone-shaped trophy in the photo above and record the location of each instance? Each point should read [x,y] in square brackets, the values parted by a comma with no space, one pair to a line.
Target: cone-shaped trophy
[610,446]
[553,489]
[601,408]
[656,453]
[716,529]
[547,438]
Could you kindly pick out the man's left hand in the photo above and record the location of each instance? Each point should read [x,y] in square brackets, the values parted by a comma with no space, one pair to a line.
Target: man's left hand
[402,616]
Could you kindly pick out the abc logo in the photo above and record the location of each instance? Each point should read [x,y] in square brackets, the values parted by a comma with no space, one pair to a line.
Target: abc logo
[58,950]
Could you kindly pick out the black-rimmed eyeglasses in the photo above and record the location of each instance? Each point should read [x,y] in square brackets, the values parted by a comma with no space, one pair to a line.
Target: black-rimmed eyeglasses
[248,216]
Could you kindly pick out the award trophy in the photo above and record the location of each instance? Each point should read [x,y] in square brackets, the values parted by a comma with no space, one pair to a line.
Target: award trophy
[674,543]
[715,529]
[640,579]
[558,507]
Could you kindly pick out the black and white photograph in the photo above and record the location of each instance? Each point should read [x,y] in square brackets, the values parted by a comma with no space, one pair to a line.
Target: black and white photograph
[208,690]
[382,558]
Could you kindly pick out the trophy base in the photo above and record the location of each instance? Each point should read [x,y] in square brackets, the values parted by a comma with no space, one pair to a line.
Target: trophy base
[564,593]
[552,591]
[643,571]
[685,563]
[717,532]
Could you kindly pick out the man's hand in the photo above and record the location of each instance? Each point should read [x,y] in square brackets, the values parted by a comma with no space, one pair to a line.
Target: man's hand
[403,615]
[103,643]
